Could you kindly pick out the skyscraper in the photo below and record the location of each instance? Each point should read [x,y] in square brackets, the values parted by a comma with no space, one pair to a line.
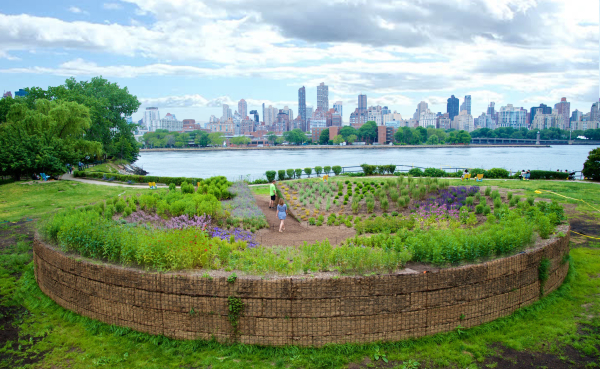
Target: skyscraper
[563,108]
[422,107]
[263,115]
[362,103]
[452,107]
[226,112]
[466,105]
[302,103]
[243,108]
[594,112]
[338,107]
[323,97]
[254,115]
[534,110]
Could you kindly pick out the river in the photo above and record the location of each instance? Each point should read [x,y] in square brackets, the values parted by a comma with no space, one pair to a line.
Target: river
[252,164]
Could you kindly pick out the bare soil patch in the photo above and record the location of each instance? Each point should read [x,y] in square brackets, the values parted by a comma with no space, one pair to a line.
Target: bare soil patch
[295,233]
[508,358]
[11,233]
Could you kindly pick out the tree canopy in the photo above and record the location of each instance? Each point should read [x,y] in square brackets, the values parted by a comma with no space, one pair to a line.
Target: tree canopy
[108,106]
[324,137]
[295,136]
[45,137]
[368,131]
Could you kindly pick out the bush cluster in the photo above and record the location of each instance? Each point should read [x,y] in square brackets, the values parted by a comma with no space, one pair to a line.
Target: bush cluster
[139,179]
[284,174]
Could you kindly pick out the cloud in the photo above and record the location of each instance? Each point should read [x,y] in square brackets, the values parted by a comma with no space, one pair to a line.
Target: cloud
[199,101]
[76,10]
[112,6]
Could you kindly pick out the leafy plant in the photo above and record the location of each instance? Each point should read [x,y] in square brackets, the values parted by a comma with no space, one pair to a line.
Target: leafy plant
[281,175]
[232,277]
[270,175]
[318,170]
[336,169]
[308,171]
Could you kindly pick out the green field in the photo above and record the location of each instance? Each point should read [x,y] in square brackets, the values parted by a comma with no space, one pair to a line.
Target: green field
[564,325]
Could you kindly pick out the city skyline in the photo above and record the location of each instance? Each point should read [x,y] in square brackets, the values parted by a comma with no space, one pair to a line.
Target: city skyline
[509,54]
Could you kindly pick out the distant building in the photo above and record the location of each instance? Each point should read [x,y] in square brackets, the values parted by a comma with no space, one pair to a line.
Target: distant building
[254,116]
[283,121]
[151,118]
[21,93]
[323,97]
[289,112]
[545,110]
[510,116]
[190,125]
[226,113]
[333,118]
[443,121]
[7,94]
[427,118]
[463,122]
[594,113]
[302,104]
[374,114]
[545,121]
[338,106]
[466,105]
[563,108]
[421,107]
[389,117]
[576,116]
[452,107]
[243,108]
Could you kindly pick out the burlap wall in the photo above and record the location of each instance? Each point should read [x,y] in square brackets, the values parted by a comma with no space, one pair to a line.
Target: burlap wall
[299,311]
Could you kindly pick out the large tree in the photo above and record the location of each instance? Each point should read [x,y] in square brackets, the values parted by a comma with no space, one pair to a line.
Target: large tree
[45,138]
[108,106]
[324,137]
[368,132]
[295,136]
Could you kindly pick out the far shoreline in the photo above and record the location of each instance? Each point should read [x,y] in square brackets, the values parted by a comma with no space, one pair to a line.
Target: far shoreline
[334,147]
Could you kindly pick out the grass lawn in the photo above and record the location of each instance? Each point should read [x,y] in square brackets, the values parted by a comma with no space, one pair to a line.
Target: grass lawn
[57,338]
[106,168]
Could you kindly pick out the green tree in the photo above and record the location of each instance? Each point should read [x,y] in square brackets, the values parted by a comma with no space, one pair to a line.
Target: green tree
[240,140]
[348,131]
[324,137]
[45,138]
[591,167]
[5,104]
[368,132]
[295,136]
[201,138]
[271,137]
[351,139]
[338,139]
[422,134]
[108,105]
[216,138]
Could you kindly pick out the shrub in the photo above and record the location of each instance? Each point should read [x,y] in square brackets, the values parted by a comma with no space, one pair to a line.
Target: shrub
[547,174]
[381,169]
[513,202]
[120,206]
[187,188]
[270,175]
[415,172]
[591,167]
[290,173]
[281,175]
[488,191]
[327,169]
[336,169]
[497,203]
[531,200]
[479,209]
[495,194]
[545,227]
[509,195]
[298,172]
[308,171]
[469,200]
[318,170]
[486,210]
[433,172]
[497,173]
[312,221]
[384,204]
[172,187]
[368,170]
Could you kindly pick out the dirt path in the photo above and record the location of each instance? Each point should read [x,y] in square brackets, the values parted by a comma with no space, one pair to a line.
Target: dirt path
[296,233]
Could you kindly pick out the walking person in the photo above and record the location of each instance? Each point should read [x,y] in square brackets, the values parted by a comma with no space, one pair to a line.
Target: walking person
[281,214]
[272,192]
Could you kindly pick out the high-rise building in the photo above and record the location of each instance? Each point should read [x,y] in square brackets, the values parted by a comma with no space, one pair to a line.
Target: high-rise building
[510,116]
[323,97]
[576,116]
[309,112]
[427,118]
[452,107]
[226,113]
[546,120]
[466,105]
[243,108]
[533,111]
[7,94]
[289,112]
[339,107]
[151,118]
[362,103]
[563,108]
[254,116]
[421,107]
[263,114]
[594,113]
[302,103]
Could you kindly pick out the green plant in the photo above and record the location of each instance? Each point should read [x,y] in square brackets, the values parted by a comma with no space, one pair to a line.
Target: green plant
[336,169]
[469,200]
[308,171]
[312,221]
[509,196]
[479,209]
[172,186]
[531,200]
[298,172]
[235,307]
[488,191]
[270,175]
[591,167]
[415,172]
[545,227]
[290,173]
[379,355]
[327,169]
[281,175]
[486,210]
[318,170]
[232,277]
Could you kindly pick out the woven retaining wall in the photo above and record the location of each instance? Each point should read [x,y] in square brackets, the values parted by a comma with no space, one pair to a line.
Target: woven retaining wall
[299,311]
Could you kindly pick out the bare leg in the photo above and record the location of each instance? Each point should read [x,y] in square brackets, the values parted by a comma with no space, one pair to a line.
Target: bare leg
[280,226]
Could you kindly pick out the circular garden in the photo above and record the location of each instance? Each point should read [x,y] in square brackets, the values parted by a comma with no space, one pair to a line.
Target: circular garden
[186,262]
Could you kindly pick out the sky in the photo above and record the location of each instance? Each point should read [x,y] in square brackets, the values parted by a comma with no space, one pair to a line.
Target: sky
[188,57]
